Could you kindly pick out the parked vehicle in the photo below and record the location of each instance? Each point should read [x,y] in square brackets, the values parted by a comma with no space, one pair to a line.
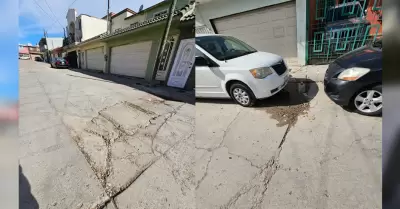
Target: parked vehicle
[38,59]
[355,79]
[24,57]
[229,68]
[59,63]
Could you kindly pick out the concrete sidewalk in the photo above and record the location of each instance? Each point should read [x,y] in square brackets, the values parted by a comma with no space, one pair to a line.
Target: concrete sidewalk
[312,72]
[157,89]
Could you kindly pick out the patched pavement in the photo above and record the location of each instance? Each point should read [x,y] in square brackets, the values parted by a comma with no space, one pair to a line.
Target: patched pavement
[291,151]
[86,142]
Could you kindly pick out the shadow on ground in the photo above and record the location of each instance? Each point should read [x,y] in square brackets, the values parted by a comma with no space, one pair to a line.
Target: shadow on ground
[289,96]
[162,91]
[26,199]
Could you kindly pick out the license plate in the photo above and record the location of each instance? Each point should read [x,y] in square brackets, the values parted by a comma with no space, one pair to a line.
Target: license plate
[62,63]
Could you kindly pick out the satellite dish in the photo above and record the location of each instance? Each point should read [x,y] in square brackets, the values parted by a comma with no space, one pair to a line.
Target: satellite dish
[141,8]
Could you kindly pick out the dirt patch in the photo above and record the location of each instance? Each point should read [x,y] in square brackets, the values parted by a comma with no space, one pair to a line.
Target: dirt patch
[292,104]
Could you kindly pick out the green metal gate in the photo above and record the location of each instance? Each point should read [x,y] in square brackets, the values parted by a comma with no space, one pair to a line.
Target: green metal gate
[339,28]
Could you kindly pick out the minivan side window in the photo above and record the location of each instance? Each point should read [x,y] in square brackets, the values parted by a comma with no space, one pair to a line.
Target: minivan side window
[200,55]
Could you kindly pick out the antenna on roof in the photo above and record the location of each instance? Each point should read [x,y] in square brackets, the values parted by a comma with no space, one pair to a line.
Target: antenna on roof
[141,8]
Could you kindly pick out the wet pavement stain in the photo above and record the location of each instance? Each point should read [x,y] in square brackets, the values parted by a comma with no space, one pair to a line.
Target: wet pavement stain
[286,106]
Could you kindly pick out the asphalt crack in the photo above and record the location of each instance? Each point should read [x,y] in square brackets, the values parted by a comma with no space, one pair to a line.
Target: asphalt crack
[206,172]
[169,116]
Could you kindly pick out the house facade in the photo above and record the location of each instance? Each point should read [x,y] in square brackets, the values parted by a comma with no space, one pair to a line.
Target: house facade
[29,52]
[46,45]
[131,49]
[302,31]
[83,27]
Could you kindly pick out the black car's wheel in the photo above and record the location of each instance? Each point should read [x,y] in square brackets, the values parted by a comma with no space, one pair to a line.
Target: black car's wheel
[369,101]
[242,95]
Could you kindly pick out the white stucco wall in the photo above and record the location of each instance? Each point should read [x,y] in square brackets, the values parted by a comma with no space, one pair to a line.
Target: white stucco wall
[92,27]
[301,19]
[212,9]
[53,43]
[120,22]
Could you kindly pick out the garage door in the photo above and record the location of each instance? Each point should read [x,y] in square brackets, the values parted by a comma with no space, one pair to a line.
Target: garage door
[131,59]
[95,59]
[271,29]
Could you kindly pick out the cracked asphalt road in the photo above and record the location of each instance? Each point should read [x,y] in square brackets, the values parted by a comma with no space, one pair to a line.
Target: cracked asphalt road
[286,154]
[90,143]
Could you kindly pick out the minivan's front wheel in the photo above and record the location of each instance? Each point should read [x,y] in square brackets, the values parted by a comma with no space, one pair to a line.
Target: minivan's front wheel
[242,95]
[369,102]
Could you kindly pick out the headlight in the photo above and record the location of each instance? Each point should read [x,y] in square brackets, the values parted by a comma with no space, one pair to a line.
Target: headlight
[353,74]
[261,73]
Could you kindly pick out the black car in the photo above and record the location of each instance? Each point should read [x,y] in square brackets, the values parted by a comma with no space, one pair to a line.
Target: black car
[59,63]
[355,79]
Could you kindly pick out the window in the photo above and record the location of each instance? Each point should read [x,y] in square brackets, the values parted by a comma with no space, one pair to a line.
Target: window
[201,59]
[159,14]
[224,47]
[344,12]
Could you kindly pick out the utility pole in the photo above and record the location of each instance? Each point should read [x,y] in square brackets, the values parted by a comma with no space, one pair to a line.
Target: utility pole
[164,38]
[47,45]
[108,17]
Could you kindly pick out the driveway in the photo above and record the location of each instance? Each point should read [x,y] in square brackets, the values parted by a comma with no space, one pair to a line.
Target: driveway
[292,151]
[88,142]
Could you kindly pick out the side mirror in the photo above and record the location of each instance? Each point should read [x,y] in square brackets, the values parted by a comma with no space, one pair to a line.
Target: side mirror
[201,61]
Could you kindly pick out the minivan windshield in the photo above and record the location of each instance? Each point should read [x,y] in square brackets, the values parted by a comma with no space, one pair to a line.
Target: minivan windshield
[224,47]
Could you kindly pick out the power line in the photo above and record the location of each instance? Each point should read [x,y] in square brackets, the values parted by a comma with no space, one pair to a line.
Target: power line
[41,8]
[46,13]
[53,14]
[72,3]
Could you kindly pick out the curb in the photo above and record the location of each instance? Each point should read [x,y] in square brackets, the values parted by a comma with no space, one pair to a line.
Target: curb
[315,73]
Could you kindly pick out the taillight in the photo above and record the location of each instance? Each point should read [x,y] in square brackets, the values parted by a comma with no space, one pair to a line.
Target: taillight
[57,63]
[66,62]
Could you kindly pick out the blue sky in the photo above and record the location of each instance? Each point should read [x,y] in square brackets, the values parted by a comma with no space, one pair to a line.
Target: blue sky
[9,42]
[37,15]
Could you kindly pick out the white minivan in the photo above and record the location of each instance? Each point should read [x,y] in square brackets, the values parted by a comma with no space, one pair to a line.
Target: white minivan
[229,68]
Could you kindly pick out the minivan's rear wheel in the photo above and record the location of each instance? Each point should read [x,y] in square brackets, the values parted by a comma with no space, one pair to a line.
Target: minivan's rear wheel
[369,102]
[242,95]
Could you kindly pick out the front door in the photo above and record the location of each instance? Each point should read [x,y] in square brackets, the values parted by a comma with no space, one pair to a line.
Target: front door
[183,64]
[208,79]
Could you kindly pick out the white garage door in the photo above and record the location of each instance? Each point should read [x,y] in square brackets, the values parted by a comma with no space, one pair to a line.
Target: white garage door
[271,29]
[95,59]
[131,59]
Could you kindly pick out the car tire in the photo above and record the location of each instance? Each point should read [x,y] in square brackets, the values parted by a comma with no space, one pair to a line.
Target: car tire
[245,96]
[369,97]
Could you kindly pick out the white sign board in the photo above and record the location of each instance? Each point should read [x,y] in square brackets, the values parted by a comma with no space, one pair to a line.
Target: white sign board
[184,61]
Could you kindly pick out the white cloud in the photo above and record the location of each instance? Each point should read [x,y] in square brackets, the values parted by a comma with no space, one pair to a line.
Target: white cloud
[29,9]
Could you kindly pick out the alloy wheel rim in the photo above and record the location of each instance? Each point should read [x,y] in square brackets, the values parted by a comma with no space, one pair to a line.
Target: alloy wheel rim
[369,101]
[241,96]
